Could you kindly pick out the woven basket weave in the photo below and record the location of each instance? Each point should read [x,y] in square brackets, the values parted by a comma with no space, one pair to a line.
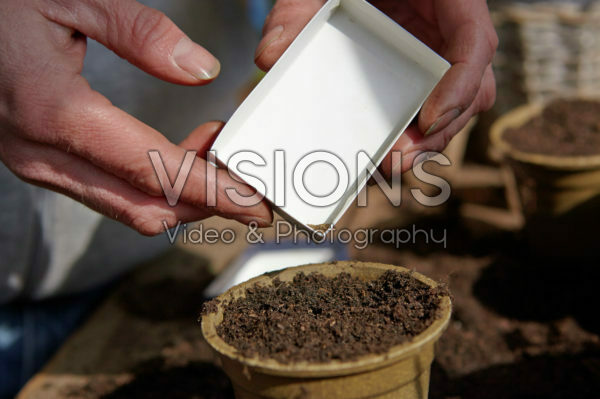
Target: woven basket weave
[547,50]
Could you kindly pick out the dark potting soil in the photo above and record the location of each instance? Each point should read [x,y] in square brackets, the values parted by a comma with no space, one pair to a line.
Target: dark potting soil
[565,127]
[318,319]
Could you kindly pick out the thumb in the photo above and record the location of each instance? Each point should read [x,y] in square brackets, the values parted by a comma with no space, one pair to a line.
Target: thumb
[284,23]
[142,35]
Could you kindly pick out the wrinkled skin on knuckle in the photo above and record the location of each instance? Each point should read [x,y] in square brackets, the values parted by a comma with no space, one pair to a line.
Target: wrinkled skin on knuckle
[288,8]
[287,11]
[148,29]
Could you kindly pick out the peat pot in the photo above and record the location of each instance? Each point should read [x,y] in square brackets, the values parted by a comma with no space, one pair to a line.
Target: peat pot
[402,372]
[560,195]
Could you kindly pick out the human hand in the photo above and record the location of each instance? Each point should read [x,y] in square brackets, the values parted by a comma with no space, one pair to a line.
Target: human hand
[56,132]
[461,31]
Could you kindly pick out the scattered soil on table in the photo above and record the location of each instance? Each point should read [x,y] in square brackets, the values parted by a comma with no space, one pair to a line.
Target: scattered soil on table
[565,127]
[317,318]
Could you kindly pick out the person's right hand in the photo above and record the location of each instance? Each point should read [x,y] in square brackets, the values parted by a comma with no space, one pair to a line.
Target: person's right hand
[461,31]
[56,132]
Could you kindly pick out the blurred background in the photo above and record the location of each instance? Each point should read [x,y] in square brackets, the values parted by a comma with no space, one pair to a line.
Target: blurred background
[523,269]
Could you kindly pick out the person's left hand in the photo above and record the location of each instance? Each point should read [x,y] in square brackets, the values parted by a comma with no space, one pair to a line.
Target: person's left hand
[461,31]
[58,133]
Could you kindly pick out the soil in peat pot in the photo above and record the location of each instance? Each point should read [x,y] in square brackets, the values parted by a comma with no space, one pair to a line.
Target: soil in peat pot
[565,127]
[318,319]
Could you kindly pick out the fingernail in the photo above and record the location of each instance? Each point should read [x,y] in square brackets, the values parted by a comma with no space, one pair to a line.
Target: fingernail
[443,121]
[195,60]
[271,37]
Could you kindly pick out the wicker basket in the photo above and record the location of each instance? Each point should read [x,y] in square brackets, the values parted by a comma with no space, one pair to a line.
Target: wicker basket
[547,50]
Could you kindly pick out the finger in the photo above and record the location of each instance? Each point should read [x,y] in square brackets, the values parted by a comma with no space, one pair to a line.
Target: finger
[471,44]
[283,24]
[73,176]
[403,145]
[61,110]
[487,95]
[142,35]
[202,138]
[412,143]
[86,124]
